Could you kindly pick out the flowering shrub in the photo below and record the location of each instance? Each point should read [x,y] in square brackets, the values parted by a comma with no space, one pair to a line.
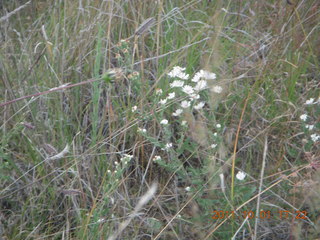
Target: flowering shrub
[185,95]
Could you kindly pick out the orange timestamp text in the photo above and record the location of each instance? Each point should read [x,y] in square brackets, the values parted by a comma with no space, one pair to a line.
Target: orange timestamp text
[281,214]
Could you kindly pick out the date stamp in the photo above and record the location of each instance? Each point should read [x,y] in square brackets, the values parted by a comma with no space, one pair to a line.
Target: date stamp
[281,214]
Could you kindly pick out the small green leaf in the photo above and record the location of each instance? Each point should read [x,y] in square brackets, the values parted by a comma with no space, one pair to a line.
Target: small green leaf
[107,77]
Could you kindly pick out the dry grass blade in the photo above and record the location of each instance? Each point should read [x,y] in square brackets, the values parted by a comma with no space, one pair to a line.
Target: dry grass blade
[145,26]
[143,201]
[261,183]
[14,11]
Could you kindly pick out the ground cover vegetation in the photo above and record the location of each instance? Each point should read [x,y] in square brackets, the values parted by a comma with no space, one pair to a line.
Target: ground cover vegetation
[167,119]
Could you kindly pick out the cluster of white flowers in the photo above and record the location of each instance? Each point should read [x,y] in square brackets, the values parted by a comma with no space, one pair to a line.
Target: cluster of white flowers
[312,101]
[304,117]
[201,85]
[134,108]
[214,145]
[190,89]
[168,146]
[179,73]
[241,175]
[177,83]
[309,127]
[315,137]
[126,158]
[200,80]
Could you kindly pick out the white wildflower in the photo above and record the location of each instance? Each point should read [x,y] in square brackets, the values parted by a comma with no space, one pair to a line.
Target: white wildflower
[185,104]
[199,106]
[168,145]
[178,72]
[158,91]
[218,125]
[213,146]
[156,158]
[188,189]
[215,134]
[240,175]
[202,84]
[310,101]
[177,112]
[176,83]
[208,75]
[203,74]
[171,95]
[188,89]
[315,137]
[134,108]
[143,130]
[217,89]
[126,158]
[310,127]
[164,122]
[197,77]
[304,117]
[184,123]
[178,69]
[163,101]
[194,96]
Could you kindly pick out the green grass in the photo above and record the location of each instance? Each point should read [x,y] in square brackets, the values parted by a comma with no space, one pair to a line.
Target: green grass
[266,59]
